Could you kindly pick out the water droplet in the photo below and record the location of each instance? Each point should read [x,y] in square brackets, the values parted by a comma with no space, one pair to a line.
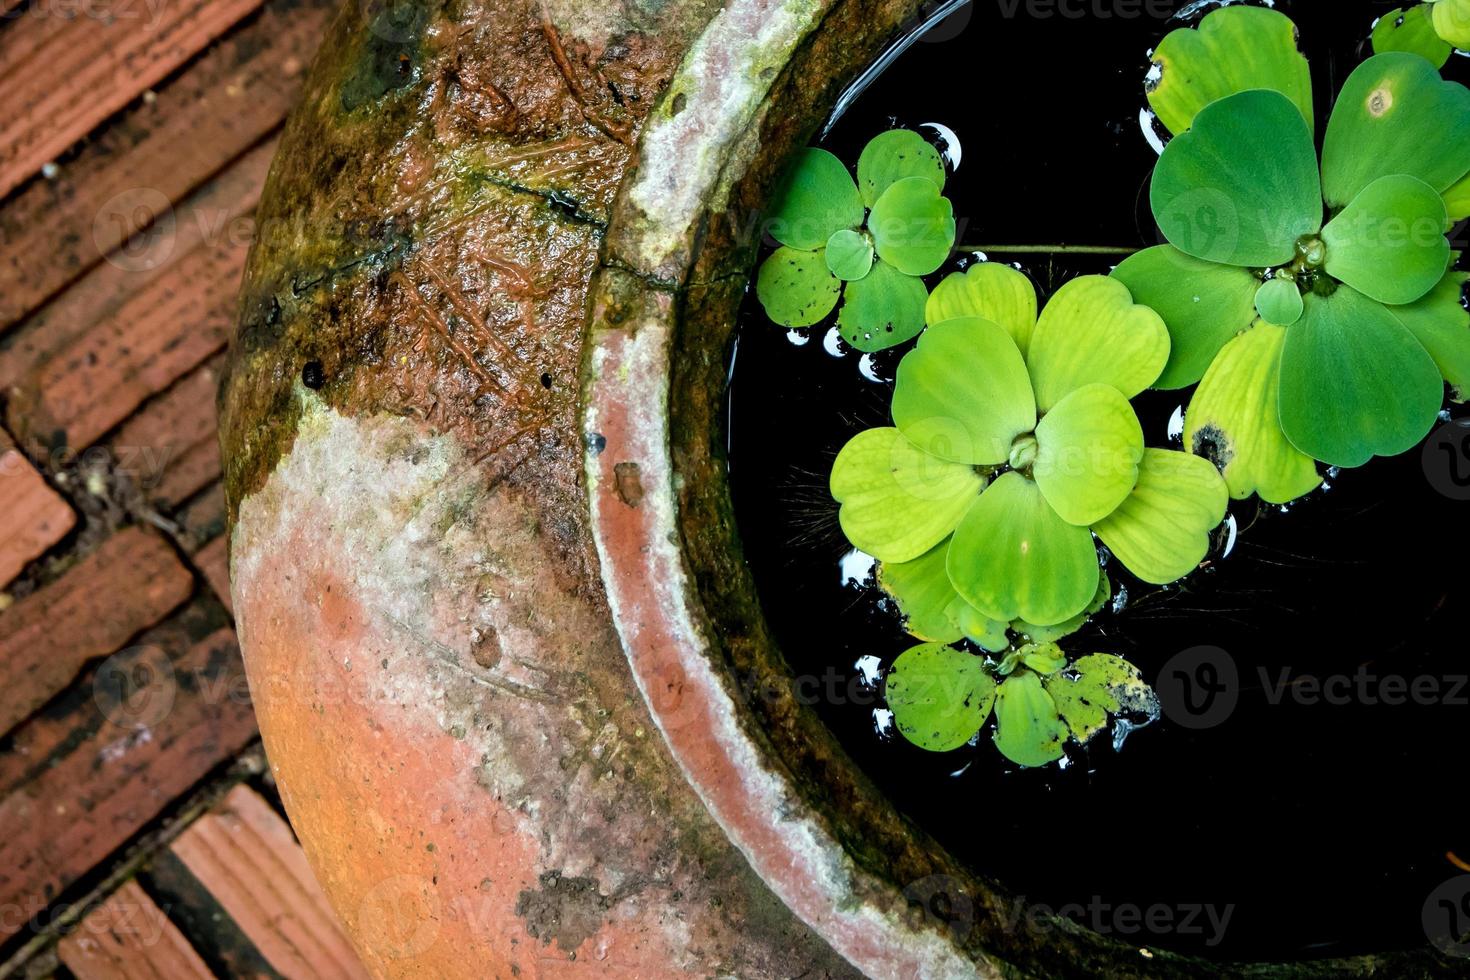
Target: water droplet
[1176,424]
[856,568]
[883,723]
[947,143]
[833,344]
[1232,531]
[870,670]
[798,338]
[1146,120]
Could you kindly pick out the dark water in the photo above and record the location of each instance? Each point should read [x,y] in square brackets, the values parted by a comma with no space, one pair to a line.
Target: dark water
[1323,823]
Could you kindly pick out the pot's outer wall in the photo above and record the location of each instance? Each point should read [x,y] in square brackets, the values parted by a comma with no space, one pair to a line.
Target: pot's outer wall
[454,732]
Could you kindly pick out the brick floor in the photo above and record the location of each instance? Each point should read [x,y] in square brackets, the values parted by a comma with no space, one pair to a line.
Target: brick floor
[138,832]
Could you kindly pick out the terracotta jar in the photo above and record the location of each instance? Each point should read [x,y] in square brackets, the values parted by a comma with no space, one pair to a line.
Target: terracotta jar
[520,700]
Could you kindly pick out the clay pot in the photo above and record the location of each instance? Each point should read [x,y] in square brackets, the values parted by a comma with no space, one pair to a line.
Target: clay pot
[518,695]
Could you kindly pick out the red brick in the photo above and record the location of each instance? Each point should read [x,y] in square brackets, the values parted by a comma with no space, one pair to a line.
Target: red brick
[128,937]
[246,856]
[85,778]
[131,582]
[214,561]
[170,449]
[127,331]
[53,231]
[62,76]
[34,516]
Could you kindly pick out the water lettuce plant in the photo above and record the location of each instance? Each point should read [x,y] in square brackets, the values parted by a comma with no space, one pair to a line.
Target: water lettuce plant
[1011,462]
[942,697]
[1316,306]
[1432,30]
[867,243]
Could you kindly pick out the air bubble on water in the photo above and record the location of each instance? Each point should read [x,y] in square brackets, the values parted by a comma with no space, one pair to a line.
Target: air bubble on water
[1176,424]
[865,368]
[832,343]
[1146,123]
[870,670]
[883,723]
[1232,531]
[1063,762]
[1155,75]
[856,568]
[1120,599]
[947,143]
[962,769]
[798,338]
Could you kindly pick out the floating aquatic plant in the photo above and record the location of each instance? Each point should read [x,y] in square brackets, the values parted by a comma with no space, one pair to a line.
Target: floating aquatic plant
[942,697]
[1312,338]
[867,243]
[1006,464]
[1432,30]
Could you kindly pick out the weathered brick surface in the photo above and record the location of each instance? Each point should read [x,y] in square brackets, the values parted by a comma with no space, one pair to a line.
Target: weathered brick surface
[131,582]
[94,769]
[135,324]
[214,561]
[170,448]
[33,517]
[129,937]
[62,76]
[154,155]
[244,853]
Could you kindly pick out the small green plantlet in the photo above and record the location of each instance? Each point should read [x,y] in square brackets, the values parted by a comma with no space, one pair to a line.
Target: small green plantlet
[1005,466]
[1432,30]
[867,243]
[941,698]
[1311,338]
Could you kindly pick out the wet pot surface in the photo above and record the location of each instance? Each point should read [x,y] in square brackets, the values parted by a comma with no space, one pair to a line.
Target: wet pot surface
[1301,796]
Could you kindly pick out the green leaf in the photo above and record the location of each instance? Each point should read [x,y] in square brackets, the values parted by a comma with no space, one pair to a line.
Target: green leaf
[1279,301]
[1241,186]
[913,226]
[882,309]
[1235,49]
[933,610]
[1441,324]
[1088,449]
[893,156]
[1162,531]
[1389,243]
[939,696]
[1452,21]
[1092,332]
[1203,304]
[849,254]
[795,287]
[898,502]
[1044,658]
[1232,420]
[1051,634]
[1096,686]
[963,393]
[1354,381]
[991,291]
[1413,31]
[815,198]
[1395,115]
[1029,731]
[1457,199]
[1013,557]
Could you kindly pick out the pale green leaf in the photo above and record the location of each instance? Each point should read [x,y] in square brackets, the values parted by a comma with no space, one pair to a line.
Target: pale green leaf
[932,609]
[1044,658]
[939,696]
[1232,420]
[1162,531]
[1051,634]
[893,156]
[1441,324]
[1088,448]
[1354,382]
[1092,332]
[1233,50]
[814,198]
[1096,686]
[1452,21]
[795,287]
[898,502]
[849,254]
[1395,115]
[1241,186]
[1457,199]
[991,291]
[1279,301]
[1013,557]
[882,309]
[1411,30]
[963,393]
[1203,304]
[1389,243]
[913,226]
[1029,731]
